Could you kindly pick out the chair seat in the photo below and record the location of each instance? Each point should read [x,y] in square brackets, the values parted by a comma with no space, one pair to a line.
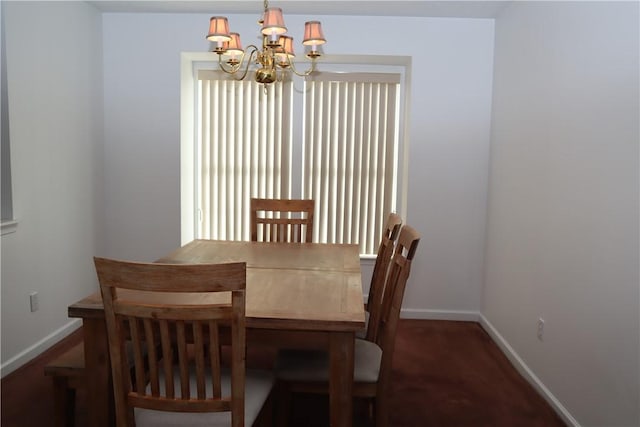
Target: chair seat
[311,365]
[258,385]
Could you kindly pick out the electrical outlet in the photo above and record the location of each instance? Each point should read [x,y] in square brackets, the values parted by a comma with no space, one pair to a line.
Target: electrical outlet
[540,328]
[33,301]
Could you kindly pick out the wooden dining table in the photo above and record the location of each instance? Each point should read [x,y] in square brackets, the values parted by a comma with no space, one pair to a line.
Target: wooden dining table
[299,295]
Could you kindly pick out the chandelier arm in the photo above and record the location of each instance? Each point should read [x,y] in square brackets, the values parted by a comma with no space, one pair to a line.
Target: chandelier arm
[233,68]
[304,73]
[233,71]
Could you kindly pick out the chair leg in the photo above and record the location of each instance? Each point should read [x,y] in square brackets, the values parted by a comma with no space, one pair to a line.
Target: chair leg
[283,404]
[381,411]
[371,414]
[63,403]
[266,416]
[71,407]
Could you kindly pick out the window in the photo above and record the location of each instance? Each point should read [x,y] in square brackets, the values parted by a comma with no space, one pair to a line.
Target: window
[8,223]
[335,137]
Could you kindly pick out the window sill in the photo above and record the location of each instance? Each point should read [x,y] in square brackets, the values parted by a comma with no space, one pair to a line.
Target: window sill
[367,259]
[8,226]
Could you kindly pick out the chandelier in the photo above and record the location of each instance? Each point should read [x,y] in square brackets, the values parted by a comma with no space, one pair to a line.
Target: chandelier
[277,48]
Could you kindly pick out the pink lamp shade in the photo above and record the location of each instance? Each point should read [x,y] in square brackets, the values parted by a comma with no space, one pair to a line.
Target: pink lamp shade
[313,35]
[273,22]
[234,47]
[284,53]
[287,46]
[218,29]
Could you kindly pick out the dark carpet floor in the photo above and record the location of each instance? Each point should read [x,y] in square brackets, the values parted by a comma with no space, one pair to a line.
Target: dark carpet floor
[445,374]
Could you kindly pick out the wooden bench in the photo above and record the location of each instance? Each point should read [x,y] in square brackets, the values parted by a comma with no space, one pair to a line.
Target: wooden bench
[68,375]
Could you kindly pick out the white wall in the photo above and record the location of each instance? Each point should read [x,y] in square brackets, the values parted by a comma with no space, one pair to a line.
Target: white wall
[449,136]
[54,71]
[563,211]
[81,189]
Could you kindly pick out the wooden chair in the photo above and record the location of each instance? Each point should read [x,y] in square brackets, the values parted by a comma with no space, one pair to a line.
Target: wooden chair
[379,275]
[184,383]
[308,371]
[67,371]
[282,220]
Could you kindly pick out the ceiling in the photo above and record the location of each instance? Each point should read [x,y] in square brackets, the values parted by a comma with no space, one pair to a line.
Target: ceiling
[422,8]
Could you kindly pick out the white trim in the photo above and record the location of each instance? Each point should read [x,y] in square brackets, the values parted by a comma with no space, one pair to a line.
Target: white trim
[406,139]
[509,352]
[428,314]
[8,226]
[527,373]
[38,348]
[187,176]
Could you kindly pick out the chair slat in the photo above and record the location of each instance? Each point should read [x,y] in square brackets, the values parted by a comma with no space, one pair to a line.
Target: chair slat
[136,341]
[153,359]
[214,358]
[167,358]
[198,348]
[183,360]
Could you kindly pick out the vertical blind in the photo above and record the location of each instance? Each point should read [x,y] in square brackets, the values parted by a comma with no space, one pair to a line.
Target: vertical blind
[350,154]
[244,150]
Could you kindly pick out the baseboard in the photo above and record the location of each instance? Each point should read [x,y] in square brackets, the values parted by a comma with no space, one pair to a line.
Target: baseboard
[426,314]
[527,373]
[38,348]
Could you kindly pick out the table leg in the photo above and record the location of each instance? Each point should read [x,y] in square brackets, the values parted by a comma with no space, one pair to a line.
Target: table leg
[341,381]
[96,361]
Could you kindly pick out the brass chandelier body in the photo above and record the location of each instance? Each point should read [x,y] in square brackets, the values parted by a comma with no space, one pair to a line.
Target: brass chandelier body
[276,51]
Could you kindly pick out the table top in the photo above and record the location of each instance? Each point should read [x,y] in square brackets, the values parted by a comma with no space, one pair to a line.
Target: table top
[294,286]
[299,256]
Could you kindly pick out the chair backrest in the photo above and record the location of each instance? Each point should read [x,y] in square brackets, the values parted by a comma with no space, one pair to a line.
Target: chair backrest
[171,333]
[282,220]
[395,285]
[379,275]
